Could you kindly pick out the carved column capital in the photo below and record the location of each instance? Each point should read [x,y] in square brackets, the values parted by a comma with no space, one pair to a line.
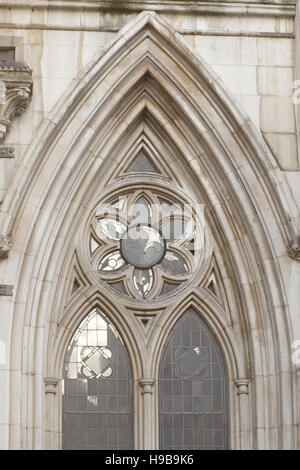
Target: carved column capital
[147,386]
[50,385]
[148,409]
[5,245]
[15,92]
[242,386]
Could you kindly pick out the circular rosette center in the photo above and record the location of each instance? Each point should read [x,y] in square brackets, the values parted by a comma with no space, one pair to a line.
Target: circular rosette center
[142,246]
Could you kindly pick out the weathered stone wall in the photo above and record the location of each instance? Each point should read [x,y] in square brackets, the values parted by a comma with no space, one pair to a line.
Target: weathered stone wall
[251,47]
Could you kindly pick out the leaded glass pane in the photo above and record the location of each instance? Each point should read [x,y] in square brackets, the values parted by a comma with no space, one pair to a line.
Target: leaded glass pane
[167,206]
[119,286]
[142,211]
[192,388]
[174,229]
[119,204]
[97,388]
[111,262]
[7,54]
[168,287]
[111,228]
[174,264]
[142,246]
[94,244]
[142,164]
[143,281]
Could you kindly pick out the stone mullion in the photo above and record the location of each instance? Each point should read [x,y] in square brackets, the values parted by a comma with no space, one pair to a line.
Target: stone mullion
[51,412]
[243,396]
[148,410]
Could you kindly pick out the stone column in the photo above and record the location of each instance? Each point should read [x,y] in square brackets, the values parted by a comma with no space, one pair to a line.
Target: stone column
[243,394]
[51,412]
[148,413]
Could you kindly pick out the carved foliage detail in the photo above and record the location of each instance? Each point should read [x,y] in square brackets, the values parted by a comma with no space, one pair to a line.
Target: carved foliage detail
[16,91]
[5,245]
[293,250]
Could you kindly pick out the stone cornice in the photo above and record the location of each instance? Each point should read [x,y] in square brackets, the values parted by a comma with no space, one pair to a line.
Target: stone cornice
[213,7]
[115,29]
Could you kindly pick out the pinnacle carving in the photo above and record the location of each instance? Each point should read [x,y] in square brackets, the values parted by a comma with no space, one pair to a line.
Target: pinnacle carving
[5,245]
[15,93]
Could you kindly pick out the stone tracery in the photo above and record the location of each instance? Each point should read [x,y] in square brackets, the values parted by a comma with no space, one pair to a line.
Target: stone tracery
[181,242]
[197,146]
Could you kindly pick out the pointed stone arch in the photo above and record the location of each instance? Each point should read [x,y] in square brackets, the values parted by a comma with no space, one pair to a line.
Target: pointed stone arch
[187,361]
[82,304]
[234,352]
[147,83]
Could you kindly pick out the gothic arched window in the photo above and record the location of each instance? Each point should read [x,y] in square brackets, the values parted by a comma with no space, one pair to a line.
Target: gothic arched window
[192,388]
[97,391]
[145,245]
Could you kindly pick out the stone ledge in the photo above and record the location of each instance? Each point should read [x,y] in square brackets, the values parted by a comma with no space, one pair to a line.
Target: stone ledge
[115,29]
[217,7]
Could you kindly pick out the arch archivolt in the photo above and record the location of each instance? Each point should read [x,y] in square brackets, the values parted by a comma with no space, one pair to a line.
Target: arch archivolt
[148,90]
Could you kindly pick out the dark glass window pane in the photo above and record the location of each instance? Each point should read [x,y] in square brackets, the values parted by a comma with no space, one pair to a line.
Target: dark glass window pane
[142,164]
[192,388]
[7,53]
[97,392]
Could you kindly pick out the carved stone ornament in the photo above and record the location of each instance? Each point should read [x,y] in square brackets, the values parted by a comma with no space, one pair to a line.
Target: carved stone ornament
[293,250]
[7,152]
[15,92]
[6,290]
[5,245]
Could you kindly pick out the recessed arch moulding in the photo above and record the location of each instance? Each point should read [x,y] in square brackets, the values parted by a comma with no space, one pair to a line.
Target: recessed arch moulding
[148,89]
